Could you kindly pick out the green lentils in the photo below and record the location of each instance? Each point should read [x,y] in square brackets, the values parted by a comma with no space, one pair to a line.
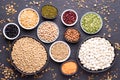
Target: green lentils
[91,23]
[49,12]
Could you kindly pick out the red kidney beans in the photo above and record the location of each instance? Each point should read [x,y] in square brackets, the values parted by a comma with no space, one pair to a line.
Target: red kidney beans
[69,17]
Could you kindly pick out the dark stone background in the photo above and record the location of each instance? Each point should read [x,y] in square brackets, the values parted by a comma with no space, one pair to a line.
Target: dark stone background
[109,11]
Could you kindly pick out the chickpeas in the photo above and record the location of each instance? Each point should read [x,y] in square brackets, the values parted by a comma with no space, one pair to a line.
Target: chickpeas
[48,32]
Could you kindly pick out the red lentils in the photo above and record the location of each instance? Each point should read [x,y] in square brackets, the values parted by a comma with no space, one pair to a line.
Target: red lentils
[69,68]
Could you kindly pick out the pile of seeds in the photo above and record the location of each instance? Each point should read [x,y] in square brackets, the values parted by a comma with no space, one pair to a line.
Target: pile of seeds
[48,31]
[10,9]
[28,55]
[7,73]
[96,53]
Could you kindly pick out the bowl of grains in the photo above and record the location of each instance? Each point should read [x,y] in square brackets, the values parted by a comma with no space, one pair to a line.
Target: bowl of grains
[11,31]
[59,51]
[28,18]
[96,54]
[91,23]
[49,12]
[48,32]
[28,55]
[69,17]
[72,35]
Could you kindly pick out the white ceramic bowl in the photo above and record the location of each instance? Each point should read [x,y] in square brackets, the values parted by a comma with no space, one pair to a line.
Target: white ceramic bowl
[75,20]
[44,40]
[5,33]
[59,61]
[100,20]
[20,22]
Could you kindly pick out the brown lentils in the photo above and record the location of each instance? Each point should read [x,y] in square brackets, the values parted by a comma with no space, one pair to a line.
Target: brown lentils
[72,35]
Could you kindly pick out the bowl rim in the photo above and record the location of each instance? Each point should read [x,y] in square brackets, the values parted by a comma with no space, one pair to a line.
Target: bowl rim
[52,6]
[94,71]
[101,20]
[59,61]
[56,36]
[76,30]
[66,23]
[71,60]
[6,27]
[21,13]
[39,71]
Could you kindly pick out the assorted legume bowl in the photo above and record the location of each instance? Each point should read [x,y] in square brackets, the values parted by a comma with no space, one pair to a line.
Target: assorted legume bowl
[29,55]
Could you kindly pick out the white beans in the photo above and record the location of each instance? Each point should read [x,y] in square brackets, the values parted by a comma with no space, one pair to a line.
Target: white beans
[96,53]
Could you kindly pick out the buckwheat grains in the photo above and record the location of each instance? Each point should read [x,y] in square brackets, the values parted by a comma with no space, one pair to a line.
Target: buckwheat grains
[28,55]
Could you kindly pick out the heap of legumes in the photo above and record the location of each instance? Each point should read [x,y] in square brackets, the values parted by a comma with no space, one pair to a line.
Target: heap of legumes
[48,32]
[96,53]
[28,55]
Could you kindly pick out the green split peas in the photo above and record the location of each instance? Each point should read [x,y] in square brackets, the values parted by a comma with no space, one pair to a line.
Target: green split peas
[91,23]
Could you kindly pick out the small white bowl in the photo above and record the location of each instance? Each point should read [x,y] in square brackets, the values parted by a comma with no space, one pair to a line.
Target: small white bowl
[20,22]
[59,61]
[75,20]
[44,40]
[100,20]
[5,33]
